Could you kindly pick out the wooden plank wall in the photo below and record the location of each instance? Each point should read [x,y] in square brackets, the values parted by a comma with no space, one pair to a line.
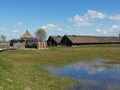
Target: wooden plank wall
[42,45]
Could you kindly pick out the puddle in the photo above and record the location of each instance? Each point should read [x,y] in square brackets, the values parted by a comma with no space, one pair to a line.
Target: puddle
[92,75]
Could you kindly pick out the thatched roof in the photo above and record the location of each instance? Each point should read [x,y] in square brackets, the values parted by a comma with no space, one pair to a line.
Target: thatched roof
[92,39]
[57,39]
[26,35]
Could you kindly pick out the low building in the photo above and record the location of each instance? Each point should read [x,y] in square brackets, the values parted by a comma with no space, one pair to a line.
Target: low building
[54,40]
[25,41]
[76,40]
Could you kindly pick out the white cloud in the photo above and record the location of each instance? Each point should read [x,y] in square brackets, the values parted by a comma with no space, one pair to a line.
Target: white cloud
[81,21]
[113,29]
[95,15]
[60,29]
[3,29]
[19,23]
[87,19]
[67,31]
[116,17]
[50,26]
[14,31]
[70,19]
[15,26]
[12,36]
[98,30]
[101,31]
[78,18]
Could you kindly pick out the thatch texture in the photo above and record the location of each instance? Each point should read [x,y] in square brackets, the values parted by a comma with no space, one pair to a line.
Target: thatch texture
[70,40]
[26,35]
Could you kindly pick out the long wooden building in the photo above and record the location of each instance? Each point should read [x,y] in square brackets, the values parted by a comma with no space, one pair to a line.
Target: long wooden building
[76,40]
[54,40]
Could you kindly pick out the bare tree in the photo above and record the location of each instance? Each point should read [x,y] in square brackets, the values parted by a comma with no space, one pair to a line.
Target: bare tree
[3,38]
[41,35]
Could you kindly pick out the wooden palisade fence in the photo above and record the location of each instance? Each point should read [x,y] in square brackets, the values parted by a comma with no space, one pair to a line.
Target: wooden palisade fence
[42,45]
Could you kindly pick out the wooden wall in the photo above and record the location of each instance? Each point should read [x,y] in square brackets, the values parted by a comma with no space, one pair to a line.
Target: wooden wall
[42,45]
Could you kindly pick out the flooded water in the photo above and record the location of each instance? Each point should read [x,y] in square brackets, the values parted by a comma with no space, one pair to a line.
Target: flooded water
[92,75]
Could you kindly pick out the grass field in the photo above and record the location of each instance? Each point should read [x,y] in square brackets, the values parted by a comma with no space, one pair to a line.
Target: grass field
[23,69]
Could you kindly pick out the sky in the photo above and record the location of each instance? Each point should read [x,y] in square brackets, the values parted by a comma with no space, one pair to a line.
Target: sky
[60,17]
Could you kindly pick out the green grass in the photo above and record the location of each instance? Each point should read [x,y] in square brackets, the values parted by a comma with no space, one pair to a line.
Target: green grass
[23,70]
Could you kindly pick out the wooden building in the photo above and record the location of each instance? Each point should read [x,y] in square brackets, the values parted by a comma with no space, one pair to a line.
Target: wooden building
[54,40]
[76,40]
[25,41]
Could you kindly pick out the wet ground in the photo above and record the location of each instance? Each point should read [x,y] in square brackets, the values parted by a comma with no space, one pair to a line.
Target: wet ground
[92,75]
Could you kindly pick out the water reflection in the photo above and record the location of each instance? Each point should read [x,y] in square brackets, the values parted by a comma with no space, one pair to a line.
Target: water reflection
[93,75]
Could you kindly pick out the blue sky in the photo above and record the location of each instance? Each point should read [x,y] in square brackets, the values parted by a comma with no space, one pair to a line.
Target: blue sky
[60,17]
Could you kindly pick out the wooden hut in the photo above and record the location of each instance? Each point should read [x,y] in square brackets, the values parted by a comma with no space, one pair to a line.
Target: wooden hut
[25,41]
[76,40]
[54,40]
[30,41]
